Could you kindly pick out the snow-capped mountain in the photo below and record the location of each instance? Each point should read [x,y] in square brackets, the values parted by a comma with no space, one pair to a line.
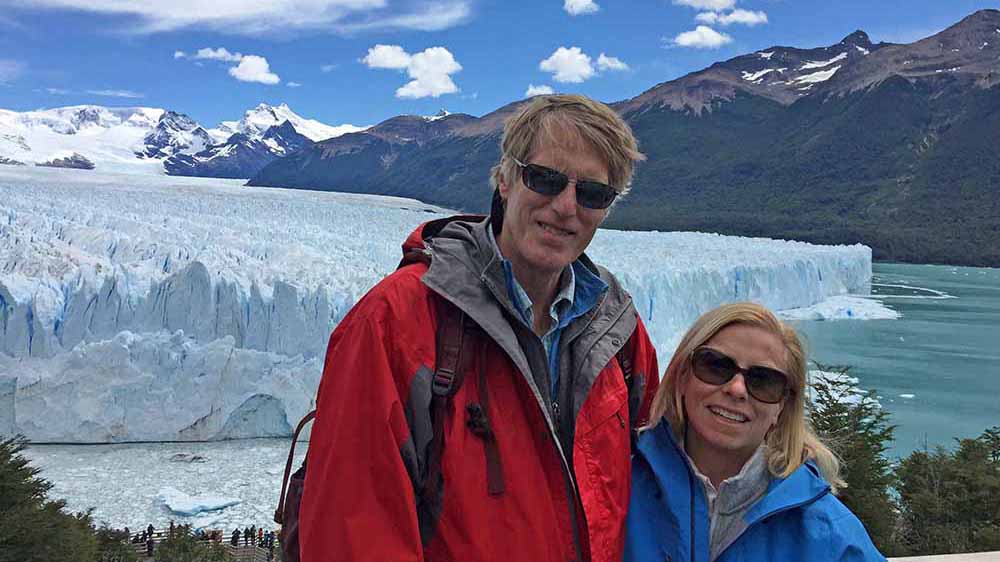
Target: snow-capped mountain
[175,133]
[153,140]
[264,134]
[108,137]
[257,121]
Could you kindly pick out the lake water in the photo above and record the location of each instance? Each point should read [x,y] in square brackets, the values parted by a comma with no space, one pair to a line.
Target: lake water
[936,369]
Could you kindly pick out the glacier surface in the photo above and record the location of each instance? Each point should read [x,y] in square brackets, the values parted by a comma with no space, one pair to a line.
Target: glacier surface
[187,309]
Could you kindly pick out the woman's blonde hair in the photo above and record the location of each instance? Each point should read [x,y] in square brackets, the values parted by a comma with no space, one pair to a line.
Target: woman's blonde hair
[791,441]
[596,123]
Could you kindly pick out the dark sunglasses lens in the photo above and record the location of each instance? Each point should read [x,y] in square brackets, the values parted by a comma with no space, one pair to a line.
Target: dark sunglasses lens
[712,367]
[545,181]
[595,195]
[766,385]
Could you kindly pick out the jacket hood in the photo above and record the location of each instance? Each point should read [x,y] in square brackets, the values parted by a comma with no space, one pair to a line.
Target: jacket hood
[415,247]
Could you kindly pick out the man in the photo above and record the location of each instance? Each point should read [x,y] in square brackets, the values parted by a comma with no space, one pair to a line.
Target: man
[535,462]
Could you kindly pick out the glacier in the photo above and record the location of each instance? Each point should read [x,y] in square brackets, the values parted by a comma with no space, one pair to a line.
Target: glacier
[162,308]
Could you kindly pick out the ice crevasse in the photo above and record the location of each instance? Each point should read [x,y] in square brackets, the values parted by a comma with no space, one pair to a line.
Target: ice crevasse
[188,309]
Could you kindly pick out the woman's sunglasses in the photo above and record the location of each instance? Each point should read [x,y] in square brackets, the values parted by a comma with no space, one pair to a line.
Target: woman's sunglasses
[716,368]
[549,182]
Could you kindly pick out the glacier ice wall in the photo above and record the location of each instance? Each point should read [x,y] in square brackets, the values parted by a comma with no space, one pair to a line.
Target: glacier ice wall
[162,308]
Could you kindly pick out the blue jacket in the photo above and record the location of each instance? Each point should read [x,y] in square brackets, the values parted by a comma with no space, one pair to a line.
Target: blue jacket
[797,520]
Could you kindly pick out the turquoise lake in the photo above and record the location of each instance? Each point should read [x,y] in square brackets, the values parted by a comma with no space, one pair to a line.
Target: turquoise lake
[936,369]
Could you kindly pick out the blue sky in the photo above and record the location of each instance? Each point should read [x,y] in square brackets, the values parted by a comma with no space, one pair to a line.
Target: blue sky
[363,61]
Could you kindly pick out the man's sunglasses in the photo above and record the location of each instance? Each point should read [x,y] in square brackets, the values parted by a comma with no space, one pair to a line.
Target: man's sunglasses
[716,368]
[549,182]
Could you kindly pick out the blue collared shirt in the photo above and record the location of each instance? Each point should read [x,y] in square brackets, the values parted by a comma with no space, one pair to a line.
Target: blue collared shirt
[579,292]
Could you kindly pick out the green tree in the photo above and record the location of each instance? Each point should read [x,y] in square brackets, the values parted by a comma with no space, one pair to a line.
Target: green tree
[949,499]
[855,426]
[113,545]
[181,546]
[33,527]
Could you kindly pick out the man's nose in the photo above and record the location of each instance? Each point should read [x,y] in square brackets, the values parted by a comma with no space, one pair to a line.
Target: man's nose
[564,202]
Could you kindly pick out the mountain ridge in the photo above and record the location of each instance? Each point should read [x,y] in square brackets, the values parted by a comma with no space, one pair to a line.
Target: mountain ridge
[844,143]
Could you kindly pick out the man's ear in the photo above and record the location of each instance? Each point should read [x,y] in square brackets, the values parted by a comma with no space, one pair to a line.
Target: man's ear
[503,187]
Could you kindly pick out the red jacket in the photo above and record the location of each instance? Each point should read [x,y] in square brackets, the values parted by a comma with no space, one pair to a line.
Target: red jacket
[565,459]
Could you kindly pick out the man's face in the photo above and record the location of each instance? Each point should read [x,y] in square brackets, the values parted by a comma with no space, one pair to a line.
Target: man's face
[545,234]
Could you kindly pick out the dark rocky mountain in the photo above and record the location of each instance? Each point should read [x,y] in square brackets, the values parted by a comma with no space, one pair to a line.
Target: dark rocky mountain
[894,146]
[10,161]
[174,133]
[75,160]
[265,133]
[241,156]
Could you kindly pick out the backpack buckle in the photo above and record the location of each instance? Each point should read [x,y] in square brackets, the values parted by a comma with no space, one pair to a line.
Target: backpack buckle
[443,382]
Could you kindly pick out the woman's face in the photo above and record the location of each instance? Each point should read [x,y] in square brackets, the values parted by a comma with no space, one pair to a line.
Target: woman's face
[725,419]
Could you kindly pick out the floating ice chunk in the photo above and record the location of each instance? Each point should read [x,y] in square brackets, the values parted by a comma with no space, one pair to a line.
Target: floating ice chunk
[843,307]
[853,395]
[183,504]
[907,396]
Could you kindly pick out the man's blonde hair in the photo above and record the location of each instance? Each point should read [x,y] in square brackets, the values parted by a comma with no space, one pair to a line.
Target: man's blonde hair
[597,124]
[791,441]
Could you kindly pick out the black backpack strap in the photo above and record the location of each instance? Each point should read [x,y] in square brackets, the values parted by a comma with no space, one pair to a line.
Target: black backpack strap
[478,422]
[448,377]
[279,513]
[632,386]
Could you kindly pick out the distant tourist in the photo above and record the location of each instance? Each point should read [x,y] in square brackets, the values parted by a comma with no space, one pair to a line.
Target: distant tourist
[149,545]
[235,538]
[556,365]
[729,470]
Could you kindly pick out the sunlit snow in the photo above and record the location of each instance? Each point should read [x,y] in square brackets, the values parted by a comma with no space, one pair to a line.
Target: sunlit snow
[821,64]
[754,76]
[816,77]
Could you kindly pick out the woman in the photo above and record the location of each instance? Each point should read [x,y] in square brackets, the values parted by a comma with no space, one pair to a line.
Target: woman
[728,469]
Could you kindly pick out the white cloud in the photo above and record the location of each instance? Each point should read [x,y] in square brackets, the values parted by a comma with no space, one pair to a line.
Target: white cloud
[327,68]
[580,7]
[9,70]
[430,69]
[745,17]
[116,93]
[216,54]
[434,17]
[58,91]
[293,84]
[253,68]
[387,56]
[703,37]
[605,62]
[542,90]
[568,65]
[254,17]
[711,5]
